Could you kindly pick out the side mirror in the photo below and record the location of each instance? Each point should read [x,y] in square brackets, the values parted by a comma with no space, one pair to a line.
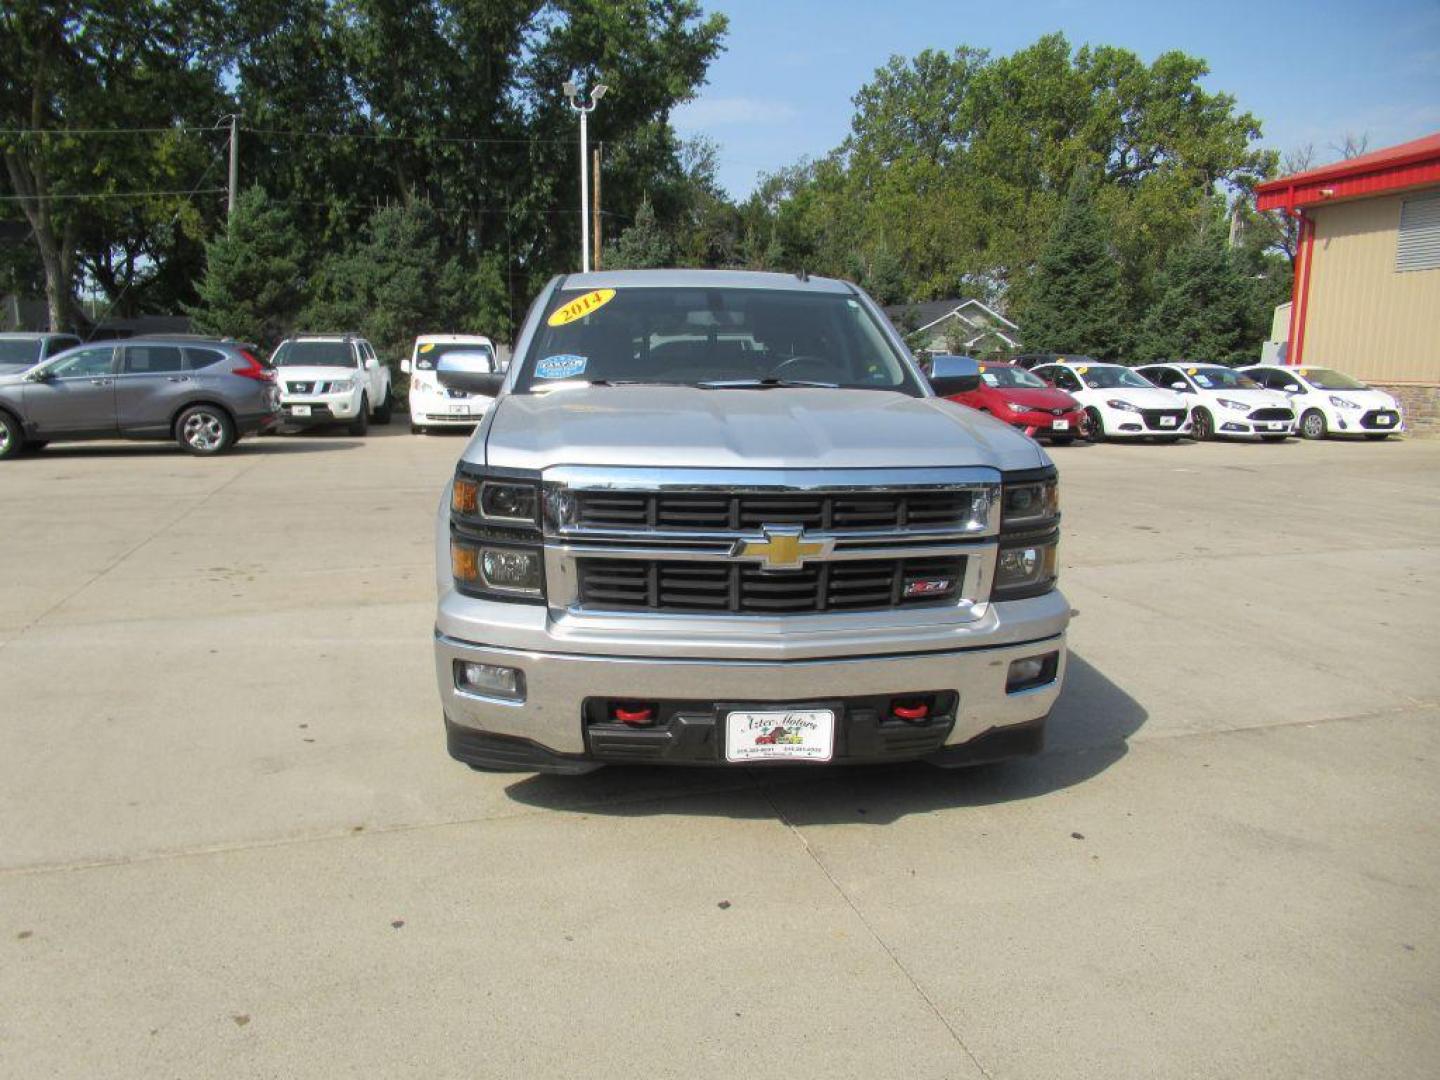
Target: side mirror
[39,375]
[372,362]
[951,375]
[1292,388]
[469,372]
[405,366]
[1182,387]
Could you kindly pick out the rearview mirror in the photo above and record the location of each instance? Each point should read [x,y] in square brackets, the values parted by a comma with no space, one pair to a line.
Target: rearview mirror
[954,375]
[471,372]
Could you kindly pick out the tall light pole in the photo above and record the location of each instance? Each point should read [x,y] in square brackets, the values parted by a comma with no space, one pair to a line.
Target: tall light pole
[572,93]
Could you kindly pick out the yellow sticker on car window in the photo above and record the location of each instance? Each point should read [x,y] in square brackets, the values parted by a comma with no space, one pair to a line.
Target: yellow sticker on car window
[1189,371]
[1081,370]
[1304,372]
[427,346]
[982,368]
[580,307]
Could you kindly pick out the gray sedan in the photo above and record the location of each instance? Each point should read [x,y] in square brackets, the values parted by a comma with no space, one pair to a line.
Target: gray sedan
[203,394]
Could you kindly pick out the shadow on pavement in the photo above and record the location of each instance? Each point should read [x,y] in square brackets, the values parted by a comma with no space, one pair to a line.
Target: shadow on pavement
[164,448]
[1087,734]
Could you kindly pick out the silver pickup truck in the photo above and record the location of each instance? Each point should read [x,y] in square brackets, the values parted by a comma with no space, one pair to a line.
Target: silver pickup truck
[720,518]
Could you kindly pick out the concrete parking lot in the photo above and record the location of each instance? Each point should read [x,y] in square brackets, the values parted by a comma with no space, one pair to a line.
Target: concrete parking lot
[233,844]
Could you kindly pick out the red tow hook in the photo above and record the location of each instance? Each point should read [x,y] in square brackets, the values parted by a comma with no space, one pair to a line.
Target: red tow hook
[918,711]
[634,717]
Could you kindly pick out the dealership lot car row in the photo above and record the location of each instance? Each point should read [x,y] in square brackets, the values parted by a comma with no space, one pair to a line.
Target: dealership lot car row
[206,393]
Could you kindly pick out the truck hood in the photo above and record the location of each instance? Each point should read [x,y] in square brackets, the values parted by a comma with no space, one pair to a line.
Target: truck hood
[688,427]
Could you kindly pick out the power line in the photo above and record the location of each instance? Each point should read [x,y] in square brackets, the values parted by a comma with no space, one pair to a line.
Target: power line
[109,195]
[383,137]
[178,129]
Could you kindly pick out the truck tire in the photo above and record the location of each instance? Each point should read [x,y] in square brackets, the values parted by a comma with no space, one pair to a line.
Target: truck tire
[204,430]
[361,423]
[386,409]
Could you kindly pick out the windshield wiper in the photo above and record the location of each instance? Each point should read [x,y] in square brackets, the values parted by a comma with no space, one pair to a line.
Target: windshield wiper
[764,384]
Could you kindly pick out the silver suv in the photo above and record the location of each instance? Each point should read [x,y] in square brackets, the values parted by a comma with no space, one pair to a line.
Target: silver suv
[720,518]
[204,394]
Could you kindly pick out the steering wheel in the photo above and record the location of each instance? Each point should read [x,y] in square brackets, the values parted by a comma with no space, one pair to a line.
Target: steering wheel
[817,361]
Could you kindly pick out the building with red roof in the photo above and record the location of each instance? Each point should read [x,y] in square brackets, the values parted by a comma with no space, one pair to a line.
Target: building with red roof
[1366,299]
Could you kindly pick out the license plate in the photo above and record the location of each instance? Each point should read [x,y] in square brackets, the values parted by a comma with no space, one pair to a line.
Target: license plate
[1384,421]
[780,735]
[299,410]
[1277,427]
[459,410]
[1061,425]
[1167,421]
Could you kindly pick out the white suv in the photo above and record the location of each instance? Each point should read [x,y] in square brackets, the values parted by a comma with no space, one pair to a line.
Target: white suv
[432,405]
[332,378]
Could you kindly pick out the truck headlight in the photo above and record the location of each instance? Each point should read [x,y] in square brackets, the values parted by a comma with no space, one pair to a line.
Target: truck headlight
[512,504]
[1030,504]
[1025,569]
[509,571]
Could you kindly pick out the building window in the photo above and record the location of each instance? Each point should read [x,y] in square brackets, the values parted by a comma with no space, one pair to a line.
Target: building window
[1419,246]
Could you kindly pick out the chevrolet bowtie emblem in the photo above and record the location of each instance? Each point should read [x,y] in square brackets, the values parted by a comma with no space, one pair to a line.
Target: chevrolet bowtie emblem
[783,548]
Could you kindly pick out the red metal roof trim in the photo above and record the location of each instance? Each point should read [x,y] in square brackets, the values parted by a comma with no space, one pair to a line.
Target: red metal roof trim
[1407,165]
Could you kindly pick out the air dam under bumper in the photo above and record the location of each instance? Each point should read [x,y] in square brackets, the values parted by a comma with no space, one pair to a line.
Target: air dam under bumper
[548,732]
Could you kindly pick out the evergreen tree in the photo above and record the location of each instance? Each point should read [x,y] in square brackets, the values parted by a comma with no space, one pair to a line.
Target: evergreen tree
[1077,304]
[1207,308]
[253,273]
[643,246]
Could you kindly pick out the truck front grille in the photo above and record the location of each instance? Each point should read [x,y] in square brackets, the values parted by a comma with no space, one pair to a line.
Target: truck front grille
[831,512]
[737,588]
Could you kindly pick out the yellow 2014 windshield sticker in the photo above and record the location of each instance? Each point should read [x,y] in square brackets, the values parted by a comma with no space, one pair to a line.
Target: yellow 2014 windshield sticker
[427,347]
[580,307]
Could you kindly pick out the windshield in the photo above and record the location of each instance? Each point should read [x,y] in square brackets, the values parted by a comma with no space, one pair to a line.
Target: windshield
[1325,379]
[19,351]
[713,336]
[1219,378]
[427,352]
[313,354]
[1113,378]
[996,375]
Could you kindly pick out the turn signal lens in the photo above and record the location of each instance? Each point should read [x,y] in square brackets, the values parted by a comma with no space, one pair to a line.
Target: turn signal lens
[464,562]
[463,496]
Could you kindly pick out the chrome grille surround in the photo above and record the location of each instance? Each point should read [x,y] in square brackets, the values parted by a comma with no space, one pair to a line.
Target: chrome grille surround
[959,519]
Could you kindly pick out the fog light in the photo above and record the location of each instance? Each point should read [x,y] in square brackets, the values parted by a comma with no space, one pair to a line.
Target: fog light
[491,680]
[1031,671]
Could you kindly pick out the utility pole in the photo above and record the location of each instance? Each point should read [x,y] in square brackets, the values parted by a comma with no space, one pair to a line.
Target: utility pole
[595,217]
[234,162]
[572,92]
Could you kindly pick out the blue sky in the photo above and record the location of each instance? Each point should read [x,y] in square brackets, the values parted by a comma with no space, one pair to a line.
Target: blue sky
[1311,72]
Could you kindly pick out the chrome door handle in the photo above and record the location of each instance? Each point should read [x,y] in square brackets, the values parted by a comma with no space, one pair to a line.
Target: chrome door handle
[178,378]
[102,382]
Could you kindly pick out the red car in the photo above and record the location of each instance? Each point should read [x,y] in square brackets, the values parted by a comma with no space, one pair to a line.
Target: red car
[1014,395]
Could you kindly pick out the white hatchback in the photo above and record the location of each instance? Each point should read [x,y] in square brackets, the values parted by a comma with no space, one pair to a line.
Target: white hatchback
[1225,402]
[1118,403]
[1331,403]
[432,405]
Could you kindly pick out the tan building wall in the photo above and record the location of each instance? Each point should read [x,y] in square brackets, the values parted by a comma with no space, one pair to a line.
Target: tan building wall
[1363,317]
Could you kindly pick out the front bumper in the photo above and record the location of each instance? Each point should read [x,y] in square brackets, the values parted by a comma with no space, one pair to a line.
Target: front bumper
[1044,424]
[432,410]
[321,410]
[551,731]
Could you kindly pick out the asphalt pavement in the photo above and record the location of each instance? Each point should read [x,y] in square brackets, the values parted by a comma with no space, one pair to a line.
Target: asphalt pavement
[232,844]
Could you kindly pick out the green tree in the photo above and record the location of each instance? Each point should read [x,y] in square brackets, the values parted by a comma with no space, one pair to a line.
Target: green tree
[645,245]
[1076,303]
[1208,308]
[253,283]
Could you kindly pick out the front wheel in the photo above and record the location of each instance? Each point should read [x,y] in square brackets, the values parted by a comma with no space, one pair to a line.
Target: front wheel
[1312,425]
[1096,430]
[12,439]
[1202,425]
[361,423]
[387,407]
[204,430]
